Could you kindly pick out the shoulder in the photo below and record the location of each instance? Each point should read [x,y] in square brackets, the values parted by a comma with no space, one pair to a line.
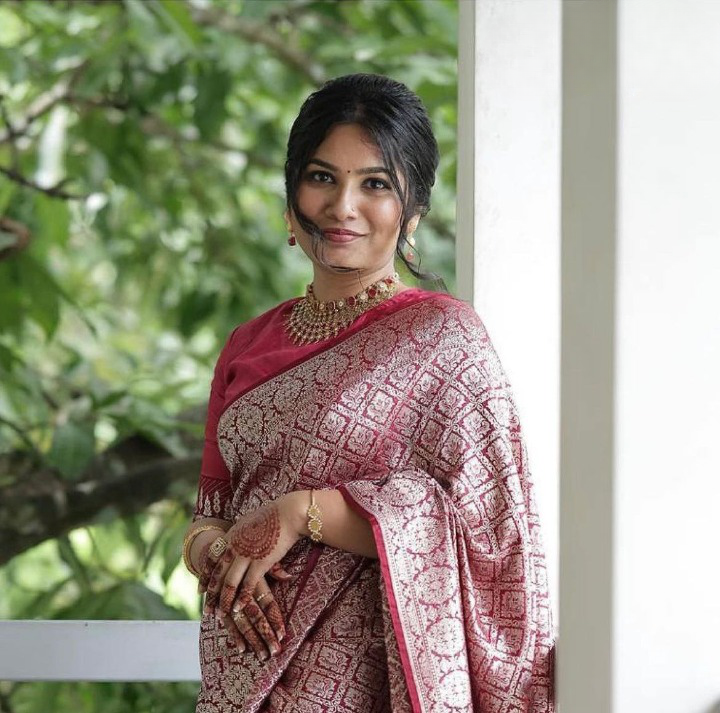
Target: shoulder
[244,333]
[441,310]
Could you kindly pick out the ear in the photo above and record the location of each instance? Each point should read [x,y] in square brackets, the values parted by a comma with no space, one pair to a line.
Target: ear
[413,224]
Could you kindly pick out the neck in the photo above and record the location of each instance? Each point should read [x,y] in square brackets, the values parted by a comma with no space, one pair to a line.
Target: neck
[331,286]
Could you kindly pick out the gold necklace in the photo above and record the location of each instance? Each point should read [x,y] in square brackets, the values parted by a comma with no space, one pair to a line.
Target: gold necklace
[311,320]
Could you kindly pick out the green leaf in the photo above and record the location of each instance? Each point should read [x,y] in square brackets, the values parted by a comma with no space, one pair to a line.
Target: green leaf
[7,190]
[7,240]
[213,85]
[54,218]
[40,292]
[8,358]
[126,600]
[38,606]
[177,15]
[69,556]
[132,529]
[194,308]
[72,449]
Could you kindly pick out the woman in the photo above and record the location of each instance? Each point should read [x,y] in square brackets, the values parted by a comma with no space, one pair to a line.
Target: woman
[365,528]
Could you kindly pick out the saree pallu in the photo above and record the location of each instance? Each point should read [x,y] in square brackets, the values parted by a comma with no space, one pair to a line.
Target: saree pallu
[413,419]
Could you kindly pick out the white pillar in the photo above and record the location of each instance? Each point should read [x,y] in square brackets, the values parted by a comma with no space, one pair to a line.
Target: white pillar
[584,671]
[667,494]
[508,242]
[640,482]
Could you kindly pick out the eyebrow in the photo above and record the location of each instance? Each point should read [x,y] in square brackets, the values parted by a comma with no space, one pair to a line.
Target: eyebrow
[361,171]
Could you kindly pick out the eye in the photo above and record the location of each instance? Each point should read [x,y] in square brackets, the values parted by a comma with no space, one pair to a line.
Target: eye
[318,176]
[377,184]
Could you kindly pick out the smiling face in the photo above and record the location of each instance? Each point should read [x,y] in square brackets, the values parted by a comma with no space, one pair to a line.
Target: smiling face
[345,187]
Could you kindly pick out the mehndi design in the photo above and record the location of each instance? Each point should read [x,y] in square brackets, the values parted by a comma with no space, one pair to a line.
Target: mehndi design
[257,538]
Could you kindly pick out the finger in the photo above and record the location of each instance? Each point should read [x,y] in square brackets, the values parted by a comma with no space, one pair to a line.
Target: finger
[266,601]
[258,619]
[211,602]
[209,564]
[254,641]
[274,616]
[272,612]
[212,593]
[237,637]
[218,576]
[277,571]
[231,584]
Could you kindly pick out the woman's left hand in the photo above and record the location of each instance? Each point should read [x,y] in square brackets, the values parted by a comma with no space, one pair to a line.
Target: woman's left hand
[255,543]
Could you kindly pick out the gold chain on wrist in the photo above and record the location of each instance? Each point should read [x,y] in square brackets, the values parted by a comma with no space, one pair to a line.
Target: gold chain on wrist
[314,519]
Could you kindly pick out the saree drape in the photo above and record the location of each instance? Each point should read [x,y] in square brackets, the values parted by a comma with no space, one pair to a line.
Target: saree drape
[410,415]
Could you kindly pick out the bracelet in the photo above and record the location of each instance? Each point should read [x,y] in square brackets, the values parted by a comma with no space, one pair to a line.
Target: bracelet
[314,519]
[189,539]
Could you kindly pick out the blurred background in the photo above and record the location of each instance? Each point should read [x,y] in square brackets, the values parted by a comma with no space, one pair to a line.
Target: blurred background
[142,147]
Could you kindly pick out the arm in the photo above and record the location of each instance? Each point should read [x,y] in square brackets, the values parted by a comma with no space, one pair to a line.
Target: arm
[342,527]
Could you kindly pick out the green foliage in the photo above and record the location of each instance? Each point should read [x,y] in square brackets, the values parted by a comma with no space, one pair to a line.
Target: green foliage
[141,149]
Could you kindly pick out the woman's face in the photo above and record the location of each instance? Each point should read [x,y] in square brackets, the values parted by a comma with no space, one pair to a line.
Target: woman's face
[345,187]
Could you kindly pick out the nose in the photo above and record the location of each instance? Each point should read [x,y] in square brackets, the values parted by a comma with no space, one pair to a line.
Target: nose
[341,203]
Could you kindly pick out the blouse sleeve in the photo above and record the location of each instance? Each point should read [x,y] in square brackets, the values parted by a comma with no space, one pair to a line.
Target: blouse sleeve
[214,497]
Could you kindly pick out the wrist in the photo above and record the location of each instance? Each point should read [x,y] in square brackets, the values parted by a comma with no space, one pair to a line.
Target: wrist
[199,535]
[199,544]
[297,503]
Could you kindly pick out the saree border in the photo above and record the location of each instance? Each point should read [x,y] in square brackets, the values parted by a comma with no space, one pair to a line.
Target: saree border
[392,600]
[301,360]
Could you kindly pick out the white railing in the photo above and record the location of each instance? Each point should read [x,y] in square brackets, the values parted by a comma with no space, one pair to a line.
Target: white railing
[99,651]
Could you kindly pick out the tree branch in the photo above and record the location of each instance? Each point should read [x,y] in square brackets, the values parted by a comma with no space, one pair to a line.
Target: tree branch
[58,506]
[127,477]
[55,191]
[44,103]
[254,31]
[21,231]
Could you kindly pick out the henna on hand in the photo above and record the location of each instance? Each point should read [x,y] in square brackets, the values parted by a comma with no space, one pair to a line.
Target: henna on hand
[274,616]
[207,567]
[257,617]
[236,637]
[257,537]
[227,596]
[245,627]
[211,601]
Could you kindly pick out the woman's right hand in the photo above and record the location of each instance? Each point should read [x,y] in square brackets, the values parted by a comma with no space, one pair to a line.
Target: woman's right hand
[259,627]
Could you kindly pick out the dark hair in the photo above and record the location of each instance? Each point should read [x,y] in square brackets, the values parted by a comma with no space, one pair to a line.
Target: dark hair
[395,119]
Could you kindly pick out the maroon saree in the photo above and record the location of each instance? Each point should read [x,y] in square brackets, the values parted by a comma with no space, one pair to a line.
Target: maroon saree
[408,413]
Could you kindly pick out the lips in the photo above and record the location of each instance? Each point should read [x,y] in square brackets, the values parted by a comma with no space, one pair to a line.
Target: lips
[339,235]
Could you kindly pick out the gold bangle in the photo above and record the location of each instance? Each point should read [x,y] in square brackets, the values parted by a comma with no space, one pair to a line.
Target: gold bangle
[314,519]
[190,538]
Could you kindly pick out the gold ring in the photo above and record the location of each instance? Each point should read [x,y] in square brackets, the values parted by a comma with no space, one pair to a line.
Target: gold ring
[217,548]
[262,596]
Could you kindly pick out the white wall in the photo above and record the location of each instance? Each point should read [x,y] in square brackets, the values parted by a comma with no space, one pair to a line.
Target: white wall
[640,385]
[667,493]
[508,246]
